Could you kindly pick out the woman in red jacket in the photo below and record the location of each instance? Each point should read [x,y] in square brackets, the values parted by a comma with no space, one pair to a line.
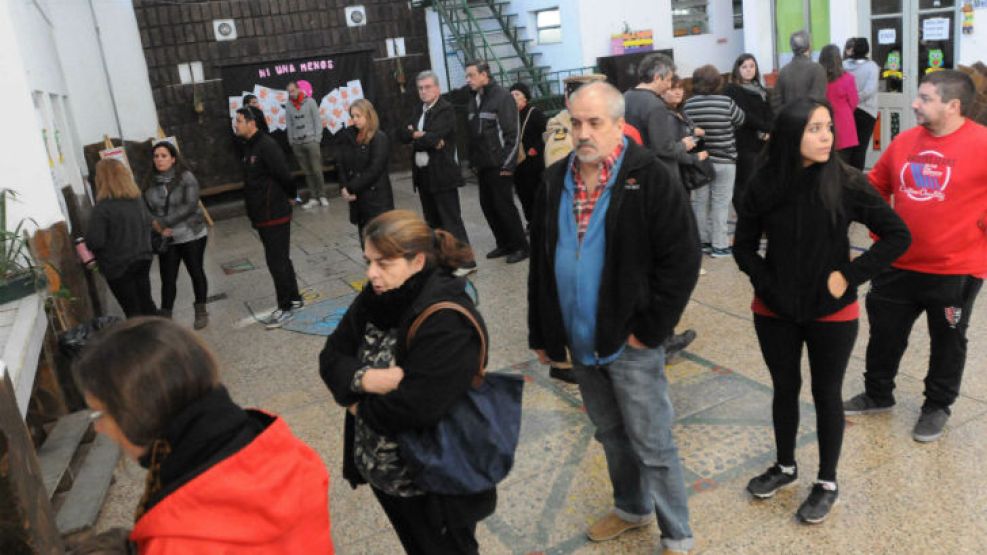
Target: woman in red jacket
[220,479]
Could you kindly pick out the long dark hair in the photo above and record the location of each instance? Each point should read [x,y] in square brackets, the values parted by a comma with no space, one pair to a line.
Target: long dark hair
[735,73]
[832,62]
[180,167]
[781,160]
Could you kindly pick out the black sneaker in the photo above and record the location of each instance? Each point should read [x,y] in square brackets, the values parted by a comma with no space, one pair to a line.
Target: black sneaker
[818,505]
[864,404]
[930,425]
[707,248]
[773,479]
[517,256]
[562,374]
[721,253]
[498,252]
[676,343]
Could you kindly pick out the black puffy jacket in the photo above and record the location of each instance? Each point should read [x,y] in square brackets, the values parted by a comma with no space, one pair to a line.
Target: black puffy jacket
[805,245]
[363,172]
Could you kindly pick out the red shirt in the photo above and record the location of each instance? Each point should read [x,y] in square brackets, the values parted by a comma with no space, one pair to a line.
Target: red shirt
[584,201]
[848,313]
[938,185]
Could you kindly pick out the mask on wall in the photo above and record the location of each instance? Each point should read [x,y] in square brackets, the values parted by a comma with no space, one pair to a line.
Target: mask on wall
[892,65]
[936,60]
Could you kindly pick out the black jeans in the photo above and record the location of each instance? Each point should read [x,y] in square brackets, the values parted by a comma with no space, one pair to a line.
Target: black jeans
[277,244]
[132,289]
[192,254]
[424,529]
[829,345]
[865,128]
[526,183]
[896,299]
[497,202]
[441,211]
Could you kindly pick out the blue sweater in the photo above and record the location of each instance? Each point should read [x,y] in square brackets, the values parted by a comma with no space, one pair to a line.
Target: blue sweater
[579,269]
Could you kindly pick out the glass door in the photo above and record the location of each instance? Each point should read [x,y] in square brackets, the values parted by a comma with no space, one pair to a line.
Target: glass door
[909,38]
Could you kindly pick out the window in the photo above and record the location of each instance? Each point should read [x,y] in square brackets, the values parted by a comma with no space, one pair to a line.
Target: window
[549,26]
[738,14]
[689,17]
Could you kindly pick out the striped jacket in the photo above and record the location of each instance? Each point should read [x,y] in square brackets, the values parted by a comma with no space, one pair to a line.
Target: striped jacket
[719,117]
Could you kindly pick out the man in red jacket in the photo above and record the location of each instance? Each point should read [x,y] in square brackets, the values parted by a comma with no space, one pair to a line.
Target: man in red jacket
[935,175]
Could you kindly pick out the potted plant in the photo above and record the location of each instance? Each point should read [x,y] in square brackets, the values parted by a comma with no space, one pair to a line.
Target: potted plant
[19,277]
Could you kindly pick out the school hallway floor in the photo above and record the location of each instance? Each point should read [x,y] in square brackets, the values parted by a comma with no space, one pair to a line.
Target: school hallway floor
[897,496]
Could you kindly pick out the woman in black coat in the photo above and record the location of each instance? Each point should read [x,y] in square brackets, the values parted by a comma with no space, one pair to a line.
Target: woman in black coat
[749,94]
[362,163]
[803,198]
[528,175]
[390,386]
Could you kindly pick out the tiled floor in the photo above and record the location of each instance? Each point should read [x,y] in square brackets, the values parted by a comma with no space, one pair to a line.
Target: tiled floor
[897,496]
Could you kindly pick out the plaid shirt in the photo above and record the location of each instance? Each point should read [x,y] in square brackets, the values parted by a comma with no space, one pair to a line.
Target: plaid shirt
[583,201]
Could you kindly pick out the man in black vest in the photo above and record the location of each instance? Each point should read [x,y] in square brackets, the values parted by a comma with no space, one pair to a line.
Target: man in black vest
[435,172]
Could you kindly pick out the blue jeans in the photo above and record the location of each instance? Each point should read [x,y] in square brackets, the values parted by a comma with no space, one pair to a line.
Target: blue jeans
[628,403]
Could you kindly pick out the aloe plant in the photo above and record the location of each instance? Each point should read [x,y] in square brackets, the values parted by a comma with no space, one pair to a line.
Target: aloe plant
[15,260]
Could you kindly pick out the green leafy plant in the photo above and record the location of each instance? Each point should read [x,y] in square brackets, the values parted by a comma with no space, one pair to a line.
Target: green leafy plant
[15,259]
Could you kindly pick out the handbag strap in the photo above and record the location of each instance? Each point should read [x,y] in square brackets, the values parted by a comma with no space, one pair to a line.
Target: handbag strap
[448,305]
[525,125]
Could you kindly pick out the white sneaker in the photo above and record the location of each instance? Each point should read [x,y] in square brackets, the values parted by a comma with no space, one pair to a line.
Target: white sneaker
[323,201]
[279,318]
[312,203]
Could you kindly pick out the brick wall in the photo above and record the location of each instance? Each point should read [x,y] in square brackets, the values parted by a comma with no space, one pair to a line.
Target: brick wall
[179,31]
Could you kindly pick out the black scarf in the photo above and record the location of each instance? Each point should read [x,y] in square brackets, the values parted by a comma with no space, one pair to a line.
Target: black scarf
[388,308]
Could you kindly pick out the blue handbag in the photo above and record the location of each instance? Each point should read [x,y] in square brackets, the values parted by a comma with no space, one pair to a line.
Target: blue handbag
[472,447]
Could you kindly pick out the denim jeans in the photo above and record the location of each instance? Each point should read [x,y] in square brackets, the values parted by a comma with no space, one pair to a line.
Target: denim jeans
[628,403]
[711,205]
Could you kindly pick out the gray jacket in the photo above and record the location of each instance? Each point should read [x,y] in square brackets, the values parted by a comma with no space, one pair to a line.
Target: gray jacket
[178,210]
[865,74]
[659,130]
[801,78]
[304,125]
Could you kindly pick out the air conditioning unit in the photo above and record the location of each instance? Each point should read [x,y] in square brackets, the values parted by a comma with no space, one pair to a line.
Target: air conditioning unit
[356,16]
[224,29]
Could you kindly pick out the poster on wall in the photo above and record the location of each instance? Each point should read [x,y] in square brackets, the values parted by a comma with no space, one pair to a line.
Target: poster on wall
[335,80]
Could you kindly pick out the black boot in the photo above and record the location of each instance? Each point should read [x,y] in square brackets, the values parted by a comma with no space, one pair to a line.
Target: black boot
[201,316]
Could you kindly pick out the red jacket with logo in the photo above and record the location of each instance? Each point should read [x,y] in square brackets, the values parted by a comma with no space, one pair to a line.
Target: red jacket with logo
[271,496]
[938,185]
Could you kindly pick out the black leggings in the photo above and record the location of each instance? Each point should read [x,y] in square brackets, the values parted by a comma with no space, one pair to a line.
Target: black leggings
[191,254]
[132,289]
[424,529]
[829,345]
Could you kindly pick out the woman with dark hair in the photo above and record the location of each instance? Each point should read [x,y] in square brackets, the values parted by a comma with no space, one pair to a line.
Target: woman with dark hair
[220,479]
[390,386]
[841,92]
[171,193]
[865,73]
[746,89]
[531,151]
[362,160]
[719,116]
[803,199]
[119,235]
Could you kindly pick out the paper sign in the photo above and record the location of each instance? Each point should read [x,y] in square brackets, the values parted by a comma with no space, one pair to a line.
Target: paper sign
[356,89]
[236,102]
[116,153]
[935,28]
[887,36]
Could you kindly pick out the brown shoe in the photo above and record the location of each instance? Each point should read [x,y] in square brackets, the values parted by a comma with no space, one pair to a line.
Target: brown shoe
[611,526]
[668,551]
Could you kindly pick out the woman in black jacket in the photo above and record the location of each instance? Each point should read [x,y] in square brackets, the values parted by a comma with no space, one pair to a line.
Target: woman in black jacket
[362,160]
[389,386]
[531,164]
[803,199]
[746,90]
[119,235]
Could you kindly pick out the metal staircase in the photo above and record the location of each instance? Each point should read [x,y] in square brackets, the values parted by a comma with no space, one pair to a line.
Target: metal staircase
[481,30]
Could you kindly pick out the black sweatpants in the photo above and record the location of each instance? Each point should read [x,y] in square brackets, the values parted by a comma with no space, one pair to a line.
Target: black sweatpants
[422,526]
[192,254]
[865,129]
[829,345]
[497,202]
[277,243]
[896,299]
[132,289]
[442,211]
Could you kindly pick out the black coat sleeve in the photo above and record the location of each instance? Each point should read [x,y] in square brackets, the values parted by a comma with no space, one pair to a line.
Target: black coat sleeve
[440,125]
[677,258]
[507,115]
[746,244]
[277,165]
[363,178]
[534,132]
[338,361]
[538,264]
[893,237]
[438,369]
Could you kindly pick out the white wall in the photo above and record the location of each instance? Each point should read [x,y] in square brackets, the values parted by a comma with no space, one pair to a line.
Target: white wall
[759,34]
[24,164]
[559,56]
[599,19]
[844,22]
[719,47]
[973,47]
